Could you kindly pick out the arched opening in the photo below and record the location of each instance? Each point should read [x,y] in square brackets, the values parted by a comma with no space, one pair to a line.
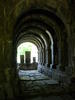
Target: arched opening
[27,56]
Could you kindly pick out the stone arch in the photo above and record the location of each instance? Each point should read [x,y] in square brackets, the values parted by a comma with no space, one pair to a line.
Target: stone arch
[37,41]
[47,21]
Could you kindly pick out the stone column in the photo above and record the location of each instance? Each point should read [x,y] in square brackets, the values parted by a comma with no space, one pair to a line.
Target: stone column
[22,59]
[48,57]
[39,56]
[55,57]
[28,57]
[46,50]
[59,58]
[64,56]
[42,56]
[34,59]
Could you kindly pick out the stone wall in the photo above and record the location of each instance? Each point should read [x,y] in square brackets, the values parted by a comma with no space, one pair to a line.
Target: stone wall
[9,12]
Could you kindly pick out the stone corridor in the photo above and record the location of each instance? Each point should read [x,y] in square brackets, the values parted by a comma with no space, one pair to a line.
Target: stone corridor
[50,26]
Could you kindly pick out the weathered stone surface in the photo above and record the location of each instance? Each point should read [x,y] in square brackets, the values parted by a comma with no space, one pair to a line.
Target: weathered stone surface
[42,85]
[63,38]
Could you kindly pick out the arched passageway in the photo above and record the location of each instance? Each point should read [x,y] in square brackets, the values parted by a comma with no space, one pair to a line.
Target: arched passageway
[44,29]
[50,26]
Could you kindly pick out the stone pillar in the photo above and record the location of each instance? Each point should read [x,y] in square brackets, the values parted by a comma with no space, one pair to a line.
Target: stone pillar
[55,57]
[46,50]
[38,56]
[44,56]
[27,57]
[43,51]
[48,57]
[34,59]
[22,59]
[64,56]
[59,58]
[41,56]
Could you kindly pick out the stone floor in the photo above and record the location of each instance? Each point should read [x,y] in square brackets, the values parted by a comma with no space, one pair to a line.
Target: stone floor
[31,75]
[37,86]
[34,75]
[34,83]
